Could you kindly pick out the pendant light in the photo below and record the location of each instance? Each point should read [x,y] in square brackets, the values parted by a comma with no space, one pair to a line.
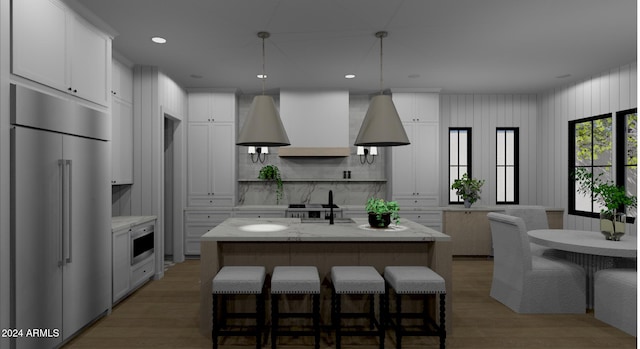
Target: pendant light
[381,126]
[263,127]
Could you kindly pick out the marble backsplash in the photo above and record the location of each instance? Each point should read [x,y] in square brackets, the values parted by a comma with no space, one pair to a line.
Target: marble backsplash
[309,179]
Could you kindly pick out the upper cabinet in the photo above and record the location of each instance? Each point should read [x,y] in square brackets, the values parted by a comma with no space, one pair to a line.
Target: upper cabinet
[417,106]
[55,47]
[122,82]
[415,167]
[210,107]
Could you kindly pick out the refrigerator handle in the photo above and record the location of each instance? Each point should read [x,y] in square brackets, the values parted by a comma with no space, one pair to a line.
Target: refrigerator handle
[69,210]
[62,208]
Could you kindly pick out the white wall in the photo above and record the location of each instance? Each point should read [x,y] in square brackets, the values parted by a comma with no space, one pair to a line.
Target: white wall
[607,92]
[483,113]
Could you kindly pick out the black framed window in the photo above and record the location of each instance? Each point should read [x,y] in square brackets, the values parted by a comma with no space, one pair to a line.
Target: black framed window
[591,148]
[627,153]
[507,165]
[459,158]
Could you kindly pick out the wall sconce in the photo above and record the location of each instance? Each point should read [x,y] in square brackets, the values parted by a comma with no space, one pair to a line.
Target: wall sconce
[367,155]
[258,154]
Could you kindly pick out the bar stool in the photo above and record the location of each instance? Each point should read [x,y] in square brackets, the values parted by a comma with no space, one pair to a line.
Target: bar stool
[415,280]
[350,280]
[237,280]
[295,280]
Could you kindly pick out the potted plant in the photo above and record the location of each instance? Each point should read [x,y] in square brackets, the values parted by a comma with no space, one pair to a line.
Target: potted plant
[272,173]
[613,198]
[468,189]
[382,212]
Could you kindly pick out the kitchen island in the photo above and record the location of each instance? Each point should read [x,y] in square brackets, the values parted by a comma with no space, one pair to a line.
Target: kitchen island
[289,241]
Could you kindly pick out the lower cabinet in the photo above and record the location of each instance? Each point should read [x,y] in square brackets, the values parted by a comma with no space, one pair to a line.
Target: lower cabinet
[429,218]
[198,223]
[126,277]
[470,232]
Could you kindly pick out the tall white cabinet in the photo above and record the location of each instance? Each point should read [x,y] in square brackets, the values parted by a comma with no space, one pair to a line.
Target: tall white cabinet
[54,46]
[211,163]
[415,168]
[122,124]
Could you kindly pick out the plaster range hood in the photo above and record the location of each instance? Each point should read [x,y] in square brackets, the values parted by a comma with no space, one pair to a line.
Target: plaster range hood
[317,123]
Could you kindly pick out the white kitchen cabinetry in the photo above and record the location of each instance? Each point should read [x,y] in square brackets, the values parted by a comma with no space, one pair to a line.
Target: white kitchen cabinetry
[209,107]
[126,278]
[415,168]
[121,264]
[55,47]
[211,149]
[122,125]
[428,218]
[417,106]
[211,164]
[121,81]
[199,222]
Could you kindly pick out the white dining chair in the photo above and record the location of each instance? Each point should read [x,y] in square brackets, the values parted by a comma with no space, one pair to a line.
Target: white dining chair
[535,217]
[528,283]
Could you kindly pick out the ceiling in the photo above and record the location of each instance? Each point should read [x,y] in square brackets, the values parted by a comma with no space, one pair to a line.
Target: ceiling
[459,46]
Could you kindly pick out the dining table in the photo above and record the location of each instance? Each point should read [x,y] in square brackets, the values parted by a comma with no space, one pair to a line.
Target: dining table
[590,250]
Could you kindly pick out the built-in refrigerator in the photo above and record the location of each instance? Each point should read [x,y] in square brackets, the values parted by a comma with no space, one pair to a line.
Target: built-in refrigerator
[60,217]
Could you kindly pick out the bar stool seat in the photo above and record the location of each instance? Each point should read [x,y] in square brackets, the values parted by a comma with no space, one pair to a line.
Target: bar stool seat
[350,280]
[415,280]
[295,280]
[238,280]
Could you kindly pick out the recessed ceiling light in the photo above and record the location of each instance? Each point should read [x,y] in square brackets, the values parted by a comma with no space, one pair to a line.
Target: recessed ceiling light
[350,76]
[196,76]
[414,76]
[563,76]
[158,40]
[260,76]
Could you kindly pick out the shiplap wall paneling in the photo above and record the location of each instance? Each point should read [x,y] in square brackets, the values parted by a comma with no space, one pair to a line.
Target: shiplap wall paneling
[607,92]
[484,113]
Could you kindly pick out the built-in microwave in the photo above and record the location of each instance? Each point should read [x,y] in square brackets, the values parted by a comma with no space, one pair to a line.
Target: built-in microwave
[142,242]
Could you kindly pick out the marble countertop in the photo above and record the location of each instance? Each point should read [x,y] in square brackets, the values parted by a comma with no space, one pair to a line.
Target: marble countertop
[292,229]
[125,222]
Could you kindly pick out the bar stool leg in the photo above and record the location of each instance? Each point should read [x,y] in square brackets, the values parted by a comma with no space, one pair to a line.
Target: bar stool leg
[381,326]
[316,319]
[259,318]
[442,329]
[214,322]
[398,321]
[337,324]
[274,319]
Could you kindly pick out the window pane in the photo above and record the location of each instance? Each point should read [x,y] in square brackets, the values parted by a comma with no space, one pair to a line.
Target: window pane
[500,148]
[500,180]
[632,139]
[583,144]
[632,187]
[511,184]
[453,148]
[602,142]
[510,147]
[464,144]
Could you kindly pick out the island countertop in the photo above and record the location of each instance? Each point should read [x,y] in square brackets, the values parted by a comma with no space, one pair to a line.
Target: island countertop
[293,229]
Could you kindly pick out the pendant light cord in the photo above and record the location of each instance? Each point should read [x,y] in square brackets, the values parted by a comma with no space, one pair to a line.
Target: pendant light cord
[380,35]
[264,76]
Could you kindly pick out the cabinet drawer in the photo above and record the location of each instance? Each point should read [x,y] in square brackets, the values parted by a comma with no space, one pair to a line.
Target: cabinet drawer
[210,201]
[422,216]
[206,216]
[196,231]
[417,201]
[192,247]
[261,214]
[141,273]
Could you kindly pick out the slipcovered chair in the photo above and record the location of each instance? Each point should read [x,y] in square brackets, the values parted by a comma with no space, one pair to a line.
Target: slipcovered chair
[529,283]
[615,301]
[535,217]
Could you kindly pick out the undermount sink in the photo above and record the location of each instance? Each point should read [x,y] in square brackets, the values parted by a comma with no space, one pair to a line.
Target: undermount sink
[326,221]
[263,228]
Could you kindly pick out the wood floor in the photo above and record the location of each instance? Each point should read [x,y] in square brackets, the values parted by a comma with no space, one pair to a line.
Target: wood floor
[164,314]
